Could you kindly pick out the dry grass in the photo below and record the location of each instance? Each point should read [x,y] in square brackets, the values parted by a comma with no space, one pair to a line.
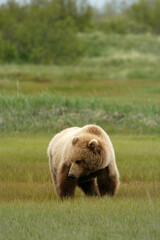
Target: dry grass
[24,171]
[30,210]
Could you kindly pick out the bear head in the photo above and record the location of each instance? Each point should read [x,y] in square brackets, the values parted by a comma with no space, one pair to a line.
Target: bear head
[87,156]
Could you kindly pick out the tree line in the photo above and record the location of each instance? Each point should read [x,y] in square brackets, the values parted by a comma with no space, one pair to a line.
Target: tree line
[42,31]
[139,17]
[48,31]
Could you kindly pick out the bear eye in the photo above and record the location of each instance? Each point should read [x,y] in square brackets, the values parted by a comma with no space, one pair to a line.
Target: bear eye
[78,162]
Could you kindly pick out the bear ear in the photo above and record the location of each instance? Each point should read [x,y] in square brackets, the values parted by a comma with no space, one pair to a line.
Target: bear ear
[75,140]
[93,145]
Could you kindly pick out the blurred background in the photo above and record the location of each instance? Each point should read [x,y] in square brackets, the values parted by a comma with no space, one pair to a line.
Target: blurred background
[57,31]
[73,62]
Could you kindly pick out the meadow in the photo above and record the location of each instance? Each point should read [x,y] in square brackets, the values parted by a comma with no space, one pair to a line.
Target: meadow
[118,67]
[116,85]
[29,208]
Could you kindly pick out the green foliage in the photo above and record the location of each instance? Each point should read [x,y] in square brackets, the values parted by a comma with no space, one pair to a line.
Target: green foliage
[8,51]
[42,31]
[55,43]
[122,24]
[139,17]
[118,24]
[147,13]
[48,31]
[117,66]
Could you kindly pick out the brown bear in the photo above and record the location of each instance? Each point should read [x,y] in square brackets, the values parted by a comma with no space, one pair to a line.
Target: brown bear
[84,157]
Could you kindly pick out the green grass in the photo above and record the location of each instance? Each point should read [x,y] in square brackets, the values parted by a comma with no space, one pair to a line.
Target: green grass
[29,208]
[46,113]
[83,218]
[119,67]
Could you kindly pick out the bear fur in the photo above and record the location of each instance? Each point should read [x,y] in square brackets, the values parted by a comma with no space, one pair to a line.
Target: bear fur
[83,157]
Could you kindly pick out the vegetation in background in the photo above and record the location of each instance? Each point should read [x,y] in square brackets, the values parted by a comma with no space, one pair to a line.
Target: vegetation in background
[48,31]
[42,31]
[146,13]
[139,17]
[118,79]
[49,114]
[119,68]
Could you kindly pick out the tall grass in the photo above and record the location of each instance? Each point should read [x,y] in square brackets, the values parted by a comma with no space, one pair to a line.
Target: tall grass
[46,113]
[83,218]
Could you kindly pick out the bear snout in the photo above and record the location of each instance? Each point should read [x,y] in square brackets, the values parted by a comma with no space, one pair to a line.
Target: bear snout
[71,176]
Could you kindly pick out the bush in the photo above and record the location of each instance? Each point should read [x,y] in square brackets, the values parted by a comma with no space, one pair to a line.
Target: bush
[146,13]
[140,17]
[122,24]
[43,43]
[43,31]
[8,51]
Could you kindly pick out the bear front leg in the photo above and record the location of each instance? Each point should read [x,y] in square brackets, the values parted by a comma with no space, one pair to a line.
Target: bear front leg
[107,182]
[89,188]
[65,186]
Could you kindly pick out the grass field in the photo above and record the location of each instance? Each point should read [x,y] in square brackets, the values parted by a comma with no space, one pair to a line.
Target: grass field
[135,158]
[82,218]
[118,67]
[116,85]
[29,208]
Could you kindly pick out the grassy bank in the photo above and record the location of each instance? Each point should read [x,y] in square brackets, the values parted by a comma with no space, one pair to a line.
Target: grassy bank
[46,113]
